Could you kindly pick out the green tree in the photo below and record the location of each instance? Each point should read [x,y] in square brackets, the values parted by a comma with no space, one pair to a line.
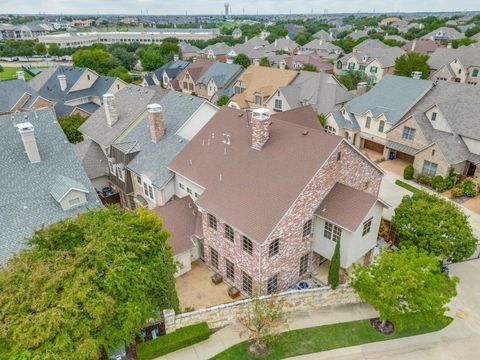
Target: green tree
[40,49]
[323,120]
[1,68]
[243,60]
[223,100]
[127,58]
[53,49]
[152,59]
[96,59]
[309,67]
[121,73]
[265,62]
[406,64]
[70,125]
[86,285]
[434,225]
[351,79]
[334,267]
[406,287]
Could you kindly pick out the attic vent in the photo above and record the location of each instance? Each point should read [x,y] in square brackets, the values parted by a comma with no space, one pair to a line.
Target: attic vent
[305,132]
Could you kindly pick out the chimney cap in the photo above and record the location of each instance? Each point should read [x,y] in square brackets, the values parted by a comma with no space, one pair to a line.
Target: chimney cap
[25,126]
[261,114]
[154,108]
[61,76]
[362,84]
[107,96]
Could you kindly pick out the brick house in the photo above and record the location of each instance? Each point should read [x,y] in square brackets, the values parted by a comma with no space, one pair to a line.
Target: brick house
[457,65]
[188,78]
[17,96]
[275,196]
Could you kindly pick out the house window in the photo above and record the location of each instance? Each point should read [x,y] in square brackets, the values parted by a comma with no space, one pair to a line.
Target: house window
[307,228]
[190,87]
[274,248]
[247,245]
[367,226]
[121,174]
[303,265]
[118,86]
[272,284]
[429,168]
[185,85]
[196,195]
[88,77]
[434,116]
[459,71]
[332,232]
[408,133]
[247,283]
[148,190]
[112,168]
[189,190]
[381,126]
[339,156]
[433,152]
[212,222]
[214,257]
[373,69]
[229,270]
[74,202]
[330,129]
[258,100]
[339,65]
[362,67]
[181,186]
[278,104]
[475,73]
[139,180]
[368,122]
[228,232]
[351,66]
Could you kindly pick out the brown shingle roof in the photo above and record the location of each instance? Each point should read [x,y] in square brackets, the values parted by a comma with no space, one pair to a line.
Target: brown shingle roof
[346,206]
[182,219]
[264,80]
[249,189]
[196,69]
[303,116]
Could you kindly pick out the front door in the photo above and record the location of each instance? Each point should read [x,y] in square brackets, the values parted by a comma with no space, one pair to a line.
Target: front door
[471,169]
[201,250]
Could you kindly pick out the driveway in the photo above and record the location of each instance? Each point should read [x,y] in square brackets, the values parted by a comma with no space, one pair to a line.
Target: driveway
[459,340]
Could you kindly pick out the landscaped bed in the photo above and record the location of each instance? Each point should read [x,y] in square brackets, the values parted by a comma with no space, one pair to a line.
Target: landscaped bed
[179,339]
[408,187]
[322,338]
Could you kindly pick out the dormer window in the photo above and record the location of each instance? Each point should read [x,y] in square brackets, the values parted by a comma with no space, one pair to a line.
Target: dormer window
[434,116]
[258,99]
[339,65]
[368,122]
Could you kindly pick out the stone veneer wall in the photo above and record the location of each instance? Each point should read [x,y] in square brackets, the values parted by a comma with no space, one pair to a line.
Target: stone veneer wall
[297,300]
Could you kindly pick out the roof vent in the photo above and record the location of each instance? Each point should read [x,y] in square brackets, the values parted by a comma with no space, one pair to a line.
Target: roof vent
[305,132]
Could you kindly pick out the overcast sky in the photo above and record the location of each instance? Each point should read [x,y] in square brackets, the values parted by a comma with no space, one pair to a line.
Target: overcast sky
[168,7]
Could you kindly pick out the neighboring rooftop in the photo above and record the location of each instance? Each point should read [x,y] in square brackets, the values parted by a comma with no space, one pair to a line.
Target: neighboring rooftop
[92,157]
[11,92]
[468,56]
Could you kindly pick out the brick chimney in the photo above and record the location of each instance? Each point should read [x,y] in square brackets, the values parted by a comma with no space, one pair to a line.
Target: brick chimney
[155,122]
[62,80]
[260,122]
[110,109]
[20,75]
[27,133]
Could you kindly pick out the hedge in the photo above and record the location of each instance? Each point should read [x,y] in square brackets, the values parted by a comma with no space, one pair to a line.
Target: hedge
[179,339]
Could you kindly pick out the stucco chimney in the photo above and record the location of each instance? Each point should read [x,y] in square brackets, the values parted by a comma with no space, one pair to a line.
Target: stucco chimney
[362,88]
[416,75]
[20,75]
[260,123]
[176,57]
[27,133]
[110,109]
[155,122]
[414,45]
[62,80]
[282,65]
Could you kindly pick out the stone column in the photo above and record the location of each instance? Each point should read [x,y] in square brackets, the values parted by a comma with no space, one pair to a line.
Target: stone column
[169,320]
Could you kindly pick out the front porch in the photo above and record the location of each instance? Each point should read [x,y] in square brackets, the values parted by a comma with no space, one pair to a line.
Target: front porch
[395,166]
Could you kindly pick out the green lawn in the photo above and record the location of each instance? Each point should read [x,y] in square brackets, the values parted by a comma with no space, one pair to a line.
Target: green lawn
[322,338]
[409,187]
[10,72]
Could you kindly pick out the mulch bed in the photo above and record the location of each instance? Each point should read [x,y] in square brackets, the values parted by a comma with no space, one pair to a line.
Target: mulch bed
[387,329]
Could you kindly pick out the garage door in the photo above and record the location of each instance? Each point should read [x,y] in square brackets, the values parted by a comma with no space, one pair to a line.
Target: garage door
[373,146]
[406,157]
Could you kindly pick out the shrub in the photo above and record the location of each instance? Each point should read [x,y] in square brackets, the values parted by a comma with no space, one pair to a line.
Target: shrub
[451,178]
[408,172]
[438,183]
[468,188]
[424,179]
[70,125]
[334,267]
[456,192]
[179,339]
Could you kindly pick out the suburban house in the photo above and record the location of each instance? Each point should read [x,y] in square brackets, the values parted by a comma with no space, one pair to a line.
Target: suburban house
[188,78]
[255,49]
[297,62]
[218,80]
[21,32]
[390,20]
[257,84]
[323,35]
[74,90]
[321,48]
[94,162]
[421,46]
[139,160]
[218,51]
[42,182]
[321,90]
[188,51]
[165,74]
[262,227]
[365,119]
[440,132]
[237,33]
[458,65]
[444,33]
[17,95]
[375,62]
[283,45]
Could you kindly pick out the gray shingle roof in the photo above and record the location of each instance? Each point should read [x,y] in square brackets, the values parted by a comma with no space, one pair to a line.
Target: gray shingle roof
[172,68]
[11,91]
[401,147]
[25,187]
[468,56]
[187,48]
[131,102]
[153,158]
[221,73]
[93,158]
[386,56]
[63,185]
[446,33]
[371,44]
[392,96]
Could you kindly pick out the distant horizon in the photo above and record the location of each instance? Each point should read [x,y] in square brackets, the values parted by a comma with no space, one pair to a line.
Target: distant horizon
[246,7]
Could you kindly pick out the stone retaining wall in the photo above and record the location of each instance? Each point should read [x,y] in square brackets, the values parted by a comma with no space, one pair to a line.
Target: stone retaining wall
[298,300]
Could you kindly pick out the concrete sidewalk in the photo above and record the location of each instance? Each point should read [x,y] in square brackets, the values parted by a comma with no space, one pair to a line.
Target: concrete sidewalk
[229,335]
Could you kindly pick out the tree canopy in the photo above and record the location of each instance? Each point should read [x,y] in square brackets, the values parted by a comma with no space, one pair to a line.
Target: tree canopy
[70,125]
[406,64]
[434,225]
[243,60]
[86,285]
[406,287]
[351,79]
